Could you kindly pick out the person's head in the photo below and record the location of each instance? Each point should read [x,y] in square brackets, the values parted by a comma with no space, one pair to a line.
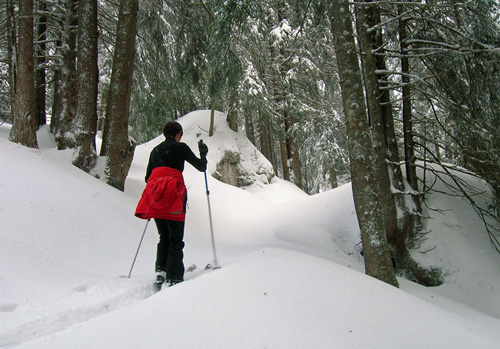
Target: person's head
[172,129]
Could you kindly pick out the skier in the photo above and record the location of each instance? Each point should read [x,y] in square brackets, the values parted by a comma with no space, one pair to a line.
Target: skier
[165,198]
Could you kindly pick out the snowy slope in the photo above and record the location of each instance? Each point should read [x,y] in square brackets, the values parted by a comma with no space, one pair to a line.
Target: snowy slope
[292,275]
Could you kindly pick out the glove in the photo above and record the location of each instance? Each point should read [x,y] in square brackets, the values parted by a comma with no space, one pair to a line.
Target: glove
[202,147]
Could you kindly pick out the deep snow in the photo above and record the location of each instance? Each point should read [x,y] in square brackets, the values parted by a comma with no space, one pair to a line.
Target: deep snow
[291,276]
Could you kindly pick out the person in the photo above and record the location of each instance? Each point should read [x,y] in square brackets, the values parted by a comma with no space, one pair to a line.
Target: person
[165,198]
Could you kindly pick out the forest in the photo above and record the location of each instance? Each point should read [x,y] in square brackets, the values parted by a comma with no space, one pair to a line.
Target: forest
[376,93]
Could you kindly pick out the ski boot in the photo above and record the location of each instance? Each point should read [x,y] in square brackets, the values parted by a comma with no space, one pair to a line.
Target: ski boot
[160,279]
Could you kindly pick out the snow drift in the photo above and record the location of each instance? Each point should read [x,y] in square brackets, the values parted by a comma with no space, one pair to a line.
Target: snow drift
[291,271]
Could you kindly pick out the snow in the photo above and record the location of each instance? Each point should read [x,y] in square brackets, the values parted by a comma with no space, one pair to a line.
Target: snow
[291,277]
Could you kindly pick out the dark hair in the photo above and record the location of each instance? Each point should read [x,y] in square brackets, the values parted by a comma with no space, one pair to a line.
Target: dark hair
[172,129]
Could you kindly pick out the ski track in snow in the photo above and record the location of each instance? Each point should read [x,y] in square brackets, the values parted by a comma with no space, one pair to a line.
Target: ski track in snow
[59,314]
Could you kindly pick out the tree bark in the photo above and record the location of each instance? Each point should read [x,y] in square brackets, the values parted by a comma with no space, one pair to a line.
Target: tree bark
[232,114]
[212,117]
[293,151]
[249,128]
[40,59]
[396,175]
[87,80]
[373,94]
[283,150]
[333,176]
[266,142]
[116,143]
[11,49]
[411,169]
[383,134]
[296,165]
[65,101]
[25,123]
[378,262]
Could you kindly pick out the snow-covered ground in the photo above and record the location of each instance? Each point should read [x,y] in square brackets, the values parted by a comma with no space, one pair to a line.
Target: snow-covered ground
[291,276]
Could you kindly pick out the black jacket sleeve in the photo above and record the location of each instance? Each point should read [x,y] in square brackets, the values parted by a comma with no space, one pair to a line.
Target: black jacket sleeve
[198,163]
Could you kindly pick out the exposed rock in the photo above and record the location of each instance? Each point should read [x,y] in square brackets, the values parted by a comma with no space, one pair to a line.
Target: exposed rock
[230,171]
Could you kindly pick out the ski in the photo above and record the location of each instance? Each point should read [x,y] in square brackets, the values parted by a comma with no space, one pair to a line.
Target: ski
[211,267]
[158,286]
[189,271]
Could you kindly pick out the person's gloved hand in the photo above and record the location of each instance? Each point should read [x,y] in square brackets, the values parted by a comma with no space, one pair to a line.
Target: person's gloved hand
[202,147]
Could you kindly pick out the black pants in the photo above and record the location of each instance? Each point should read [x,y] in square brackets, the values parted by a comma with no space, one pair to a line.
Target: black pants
[169,254]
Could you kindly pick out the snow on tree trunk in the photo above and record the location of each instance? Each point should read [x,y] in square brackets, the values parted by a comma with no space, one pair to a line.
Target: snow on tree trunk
[116,143]
[25,122]
[409,144]
[65,101]
[389,213]
[364,182]
[373,19]
[396,236]
[87,80]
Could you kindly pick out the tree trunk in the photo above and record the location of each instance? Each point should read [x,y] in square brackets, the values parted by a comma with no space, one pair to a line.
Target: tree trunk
[55,120]
[265,140]
[411,218]
[232,114]
[116,144]
[378,262]
[390,135]
[373,94]
[383,134]
[212,117]
[87,80]
[276,72]
[40,75]
[292,151]
[11,49]
[411,169]
[249,128]
[283,150]
[296,165]
[25,123]
[333,177]
[65,101]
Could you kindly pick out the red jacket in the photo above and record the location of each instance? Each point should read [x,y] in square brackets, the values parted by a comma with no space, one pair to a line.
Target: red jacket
[163,196]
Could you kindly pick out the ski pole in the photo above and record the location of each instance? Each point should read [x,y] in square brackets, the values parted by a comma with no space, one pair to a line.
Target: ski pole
[216,264]
[138,247]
